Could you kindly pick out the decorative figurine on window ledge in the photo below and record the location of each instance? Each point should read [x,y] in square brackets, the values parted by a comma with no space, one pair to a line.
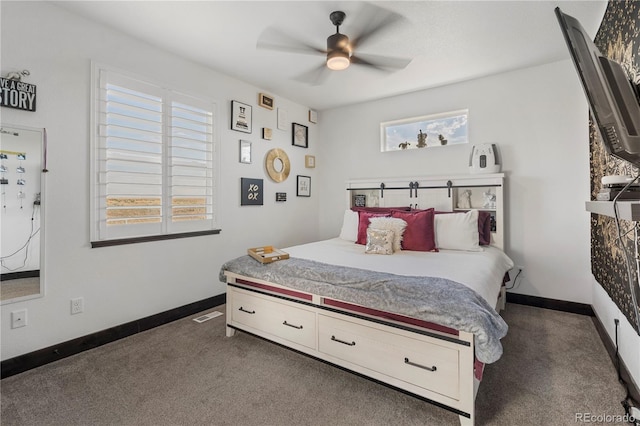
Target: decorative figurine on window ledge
[422,139]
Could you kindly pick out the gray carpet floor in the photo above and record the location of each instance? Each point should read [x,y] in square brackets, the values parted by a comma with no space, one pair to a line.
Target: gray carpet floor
[184,373]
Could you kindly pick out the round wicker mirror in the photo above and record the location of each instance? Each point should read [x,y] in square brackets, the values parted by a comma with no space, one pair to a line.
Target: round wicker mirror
[277,164]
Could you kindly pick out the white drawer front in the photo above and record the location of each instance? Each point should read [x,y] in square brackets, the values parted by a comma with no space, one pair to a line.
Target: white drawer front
[401,357]
[275,317]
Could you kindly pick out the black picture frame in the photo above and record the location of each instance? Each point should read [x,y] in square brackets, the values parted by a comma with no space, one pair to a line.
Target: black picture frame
[299,135]
[251,191]
[303,186]
[241,117]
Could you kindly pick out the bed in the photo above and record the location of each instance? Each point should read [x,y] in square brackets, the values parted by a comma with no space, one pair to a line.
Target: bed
[424,321]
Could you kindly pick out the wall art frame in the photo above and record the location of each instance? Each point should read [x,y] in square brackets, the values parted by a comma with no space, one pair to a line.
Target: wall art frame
[310,161]
[299,135]
[283,118]
[265,101]
[245,152]
[241,117]
[251,192]
[303,186]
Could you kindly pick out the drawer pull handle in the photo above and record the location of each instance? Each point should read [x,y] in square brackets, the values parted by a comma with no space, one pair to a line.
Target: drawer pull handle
[299,327]
[244,310]
[406,361]
[342,341]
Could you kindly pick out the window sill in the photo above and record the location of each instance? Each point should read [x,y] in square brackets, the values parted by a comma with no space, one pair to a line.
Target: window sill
[135,240]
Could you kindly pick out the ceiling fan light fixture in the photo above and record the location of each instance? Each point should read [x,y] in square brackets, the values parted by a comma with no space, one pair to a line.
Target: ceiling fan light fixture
[339,54]
[338,60]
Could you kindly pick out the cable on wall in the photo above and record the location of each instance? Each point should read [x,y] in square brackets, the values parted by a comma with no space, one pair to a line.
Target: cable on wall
[625,251]
[24,247]
[627,401]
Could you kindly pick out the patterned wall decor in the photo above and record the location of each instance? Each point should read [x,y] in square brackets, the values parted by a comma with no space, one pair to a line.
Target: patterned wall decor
[619,39]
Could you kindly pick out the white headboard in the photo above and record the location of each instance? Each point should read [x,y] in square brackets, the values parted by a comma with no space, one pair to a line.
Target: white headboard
[444,193]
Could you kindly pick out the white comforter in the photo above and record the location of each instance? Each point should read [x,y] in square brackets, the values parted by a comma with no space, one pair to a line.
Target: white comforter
[481,271]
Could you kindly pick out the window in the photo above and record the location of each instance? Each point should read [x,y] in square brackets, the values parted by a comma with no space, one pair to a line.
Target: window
[154,162]
[449,128]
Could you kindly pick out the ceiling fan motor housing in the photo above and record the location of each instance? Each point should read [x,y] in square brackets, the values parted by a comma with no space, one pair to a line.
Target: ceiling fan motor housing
[338,42]
[338,51]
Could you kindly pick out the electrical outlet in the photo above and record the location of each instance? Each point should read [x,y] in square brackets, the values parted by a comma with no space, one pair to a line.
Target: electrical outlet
[19,318]
[77,305]
[635,412]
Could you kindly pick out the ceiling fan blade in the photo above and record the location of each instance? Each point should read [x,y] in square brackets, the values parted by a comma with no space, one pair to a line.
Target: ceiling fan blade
[382,63]
[274,39]
[314,77]
[376,21]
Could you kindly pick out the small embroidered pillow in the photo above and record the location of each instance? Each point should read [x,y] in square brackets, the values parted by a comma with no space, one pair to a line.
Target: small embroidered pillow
[379,241]
[391,223]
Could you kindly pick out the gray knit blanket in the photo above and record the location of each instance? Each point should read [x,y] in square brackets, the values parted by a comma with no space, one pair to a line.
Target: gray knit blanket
[432,299]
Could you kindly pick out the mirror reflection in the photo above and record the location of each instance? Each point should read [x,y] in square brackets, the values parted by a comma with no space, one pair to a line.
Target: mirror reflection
[20,213]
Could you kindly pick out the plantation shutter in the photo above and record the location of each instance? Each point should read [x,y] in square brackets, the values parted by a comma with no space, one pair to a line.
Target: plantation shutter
[154,160]
[191,165]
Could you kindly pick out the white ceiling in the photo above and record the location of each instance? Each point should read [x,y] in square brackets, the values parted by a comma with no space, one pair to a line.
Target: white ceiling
[449,41]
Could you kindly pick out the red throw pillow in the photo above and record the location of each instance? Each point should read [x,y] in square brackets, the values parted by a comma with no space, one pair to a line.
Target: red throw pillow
[484,227]
[363,224]
[420,232]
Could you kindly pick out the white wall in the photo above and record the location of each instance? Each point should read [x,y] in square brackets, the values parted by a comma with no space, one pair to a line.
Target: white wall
[628,340]
[538,117]
[124,283]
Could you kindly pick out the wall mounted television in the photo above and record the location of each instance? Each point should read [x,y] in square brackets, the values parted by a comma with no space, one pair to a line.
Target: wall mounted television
[613,98]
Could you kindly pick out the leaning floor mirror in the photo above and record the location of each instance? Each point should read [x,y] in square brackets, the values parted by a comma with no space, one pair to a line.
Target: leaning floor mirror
[22,166]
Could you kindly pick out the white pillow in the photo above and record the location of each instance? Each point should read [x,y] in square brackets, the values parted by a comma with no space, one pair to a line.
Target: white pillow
[379,241]
[458,231]
[393,224]
[349,229]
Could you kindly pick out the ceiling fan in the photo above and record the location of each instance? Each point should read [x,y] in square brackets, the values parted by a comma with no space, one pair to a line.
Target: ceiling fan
[340,49]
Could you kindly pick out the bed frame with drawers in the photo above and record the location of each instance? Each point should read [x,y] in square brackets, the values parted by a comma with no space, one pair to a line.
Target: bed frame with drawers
[428,360]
